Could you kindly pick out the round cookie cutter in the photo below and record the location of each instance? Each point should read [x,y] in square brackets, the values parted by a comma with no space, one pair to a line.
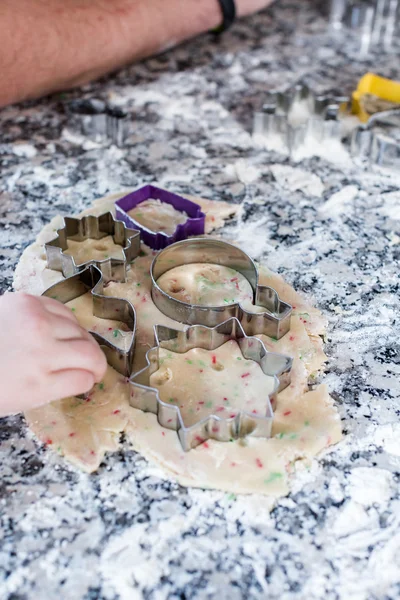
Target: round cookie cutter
[273,322]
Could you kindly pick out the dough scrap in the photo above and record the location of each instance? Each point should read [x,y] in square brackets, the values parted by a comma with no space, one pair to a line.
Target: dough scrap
[305,421]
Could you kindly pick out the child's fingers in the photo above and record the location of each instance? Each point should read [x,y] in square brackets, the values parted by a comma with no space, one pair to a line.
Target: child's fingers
[78,354]
[57,308]
[68,382]
[64,329]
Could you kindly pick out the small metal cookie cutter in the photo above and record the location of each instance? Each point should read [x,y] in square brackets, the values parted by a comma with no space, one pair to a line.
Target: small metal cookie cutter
[378,141]
[104,307]
[273,322]
[157,240]
[92,227]
[146,398]
[320,119]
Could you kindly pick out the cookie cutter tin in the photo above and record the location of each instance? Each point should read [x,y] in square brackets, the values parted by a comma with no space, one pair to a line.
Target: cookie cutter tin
[93,227]
[274,322]
[146,398]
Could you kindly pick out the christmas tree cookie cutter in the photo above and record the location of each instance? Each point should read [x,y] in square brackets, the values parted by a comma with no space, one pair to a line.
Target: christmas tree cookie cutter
[146,398]
[273,322]
[157,240]
[93,227]
[90,279]
[320,120]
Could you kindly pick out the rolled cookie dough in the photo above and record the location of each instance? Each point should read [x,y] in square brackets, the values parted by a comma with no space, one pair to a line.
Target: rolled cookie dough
[305,421]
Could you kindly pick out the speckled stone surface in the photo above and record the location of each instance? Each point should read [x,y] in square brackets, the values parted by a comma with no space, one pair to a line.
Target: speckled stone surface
[124,533]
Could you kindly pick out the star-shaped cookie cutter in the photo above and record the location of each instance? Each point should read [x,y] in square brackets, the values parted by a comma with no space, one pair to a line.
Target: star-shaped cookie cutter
[146,398]
[274,321]
[105,307]
[320,119]
[93,227]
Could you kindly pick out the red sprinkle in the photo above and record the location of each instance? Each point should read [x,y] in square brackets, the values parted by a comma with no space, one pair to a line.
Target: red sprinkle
[199,439]
[226,399]
[47,442]
[215,429]
[163,433]
[205,445]
[201,370]
[287,413]
[259,463]
[292,338]
[233,464]
[245,375]
[116,412]
[220,409]
[201,402]
[72,434]
[92,452]
[214,359]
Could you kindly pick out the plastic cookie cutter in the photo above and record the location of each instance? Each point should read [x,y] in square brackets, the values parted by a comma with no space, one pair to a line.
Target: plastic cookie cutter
[296,113]
[104,307]
[273,322]
[93,227]
[157,240]
[146,398]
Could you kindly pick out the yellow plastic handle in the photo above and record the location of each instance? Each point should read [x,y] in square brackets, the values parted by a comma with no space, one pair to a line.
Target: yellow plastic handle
[386,89]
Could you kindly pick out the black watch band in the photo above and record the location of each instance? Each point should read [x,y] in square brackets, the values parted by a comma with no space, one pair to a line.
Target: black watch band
[228,10]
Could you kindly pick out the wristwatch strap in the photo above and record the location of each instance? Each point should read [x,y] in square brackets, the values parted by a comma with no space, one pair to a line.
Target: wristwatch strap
[228,10]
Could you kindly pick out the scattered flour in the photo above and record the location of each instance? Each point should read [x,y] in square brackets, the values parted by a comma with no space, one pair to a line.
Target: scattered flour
[294,178]
[339,201]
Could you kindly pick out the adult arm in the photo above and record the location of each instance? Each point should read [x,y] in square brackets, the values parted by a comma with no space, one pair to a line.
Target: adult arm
[50,45]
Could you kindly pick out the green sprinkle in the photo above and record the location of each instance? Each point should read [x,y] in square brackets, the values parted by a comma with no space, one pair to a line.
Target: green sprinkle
[238,358]
[209,404]
[138,284]
[280,436]
[73,309]
[231,497]
[189,362]
[106,256]
[101,386]
[293,436]
[142,253]
[273,477]
[115,332]
[54,297]
[202,363]
[172,400]
[306,423]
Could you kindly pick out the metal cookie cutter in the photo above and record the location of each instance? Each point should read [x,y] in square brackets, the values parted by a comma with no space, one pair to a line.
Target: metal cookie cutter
[297,113]
[378,141]
[377,22]
[242,424]
[91,227]
[273,322]
[104,307]
[193,226]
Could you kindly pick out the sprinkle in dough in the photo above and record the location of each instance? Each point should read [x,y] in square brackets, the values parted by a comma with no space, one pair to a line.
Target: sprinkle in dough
[219,382]
[158,216]
[206,284]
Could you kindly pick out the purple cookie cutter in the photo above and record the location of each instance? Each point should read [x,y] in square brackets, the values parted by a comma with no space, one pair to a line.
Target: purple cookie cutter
[158,240]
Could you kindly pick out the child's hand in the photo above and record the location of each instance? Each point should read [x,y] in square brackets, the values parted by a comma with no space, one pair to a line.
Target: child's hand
[45,354]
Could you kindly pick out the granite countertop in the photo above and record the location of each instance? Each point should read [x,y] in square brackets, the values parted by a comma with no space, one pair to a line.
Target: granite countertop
[124,533]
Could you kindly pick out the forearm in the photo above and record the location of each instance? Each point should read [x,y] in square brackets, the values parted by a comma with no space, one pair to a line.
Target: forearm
[49,45]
